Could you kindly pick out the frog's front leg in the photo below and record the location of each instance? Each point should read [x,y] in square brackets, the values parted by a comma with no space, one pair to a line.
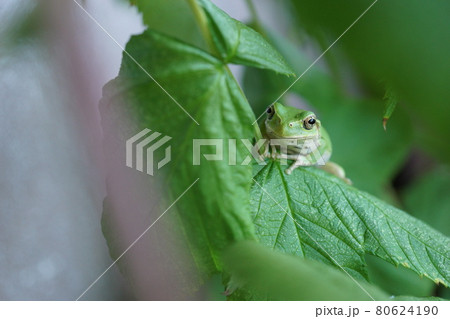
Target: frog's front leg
[276,155]
[273,151]
[299,161]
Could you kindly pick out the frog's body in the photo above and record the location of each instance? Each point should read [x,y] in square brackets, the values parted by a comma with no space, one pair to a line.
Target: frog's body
[298,135]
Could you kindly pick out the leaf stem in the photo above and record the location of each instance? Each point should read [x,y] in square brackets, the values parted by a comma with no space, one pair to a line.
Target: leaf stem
[202,22]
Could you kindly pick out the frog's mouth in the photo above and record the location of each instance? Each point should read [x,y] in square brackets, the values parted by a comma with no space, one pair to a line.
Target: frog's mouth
[272,134]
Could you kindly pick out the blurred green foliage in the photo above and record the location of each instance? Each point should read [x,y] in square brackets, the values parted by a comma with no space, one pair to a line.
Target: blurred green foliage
[276,276]
[427,198]
[403,42]
[398,280]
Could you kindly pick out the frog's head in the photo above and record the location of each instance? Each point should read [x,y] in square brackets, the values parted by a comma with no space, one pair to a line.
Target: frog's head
[290,122]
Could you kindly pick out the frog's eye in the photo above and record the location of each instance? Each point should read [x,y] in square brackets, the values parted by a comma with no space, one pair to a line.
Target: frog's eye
[309,123]
[270,112]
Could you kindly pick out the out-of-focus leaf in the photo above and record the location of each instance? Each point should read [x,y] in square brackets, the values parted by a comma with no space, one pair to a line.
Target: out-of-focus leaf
[171,17]
[397,280]
[315,215]
[262,87]
[446,294]
[215,212]
[391,101]
[428,199]
[404,42]
[268,274]
[412,298]
[214,290]
[240,44]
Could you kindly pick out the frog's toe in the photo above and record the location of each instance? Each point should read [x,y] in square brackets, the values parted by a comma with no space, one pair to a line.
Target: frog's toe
[290,169]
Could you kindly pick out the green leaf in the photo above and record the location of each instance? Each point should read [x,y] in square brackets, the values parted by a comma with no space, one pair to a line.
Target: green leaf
[428,200]
[315,215]
[262,87]
[239,44]
[215,212]
[391,101]
[171,17]
[268,274]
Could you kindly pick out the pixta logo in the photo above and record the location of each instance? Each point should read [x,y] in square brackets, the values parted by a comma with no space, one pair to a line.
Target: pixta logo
[140,151]
[143,146]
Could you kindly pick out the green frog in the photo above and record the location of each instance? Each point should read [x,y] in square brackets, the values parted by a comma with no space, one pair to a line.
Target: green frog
[298,135]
